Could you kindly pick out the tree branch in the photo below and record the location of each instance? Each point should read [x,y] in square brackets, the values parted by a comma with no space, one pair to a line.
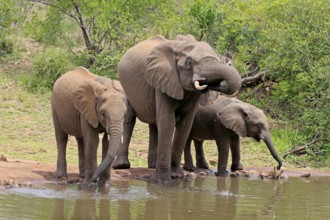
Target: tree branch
[300,150]
[88,41]
[250,73]
[254,78]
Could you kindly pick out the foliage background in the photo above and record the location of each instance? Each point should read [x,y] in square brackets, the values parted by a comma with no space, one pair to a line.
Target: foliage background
[287,38]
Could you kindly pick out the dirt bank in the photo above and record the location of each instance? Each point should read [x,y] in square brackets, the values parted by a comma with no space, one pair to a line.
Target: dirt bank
[14,173]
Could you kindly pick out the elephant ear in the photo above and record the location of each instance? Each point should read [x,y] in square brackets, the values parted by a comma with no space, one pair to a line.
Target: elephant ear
[161,72]
[84,100]
[116,85]
[233,117]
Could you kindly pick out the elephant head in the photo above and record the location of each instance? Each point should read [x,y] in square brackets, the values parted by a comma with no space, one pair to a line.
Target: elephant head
[185,64]
[102,102]
[248,121]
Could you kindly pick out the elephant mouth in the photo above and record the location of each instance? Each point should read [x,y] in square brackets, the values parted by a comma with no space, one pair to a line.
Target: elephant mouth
[216,85]
[203,85]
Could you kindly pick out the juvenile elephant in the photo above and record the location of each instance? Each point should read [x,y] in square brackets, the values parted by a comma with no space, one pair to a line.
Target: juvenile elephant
[84,105]
[163,80]
[225,121]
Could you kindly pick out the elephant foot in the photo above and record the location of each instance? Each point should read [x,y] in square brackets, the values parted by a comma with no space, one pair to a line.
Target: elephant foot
[189,167]
[121,163]
[89,186]
[160,178]
[81,172]
[221,173]
[235,167]
[152,165]
[60,174]
[202,165]
[102,182]
[81,175]
[177,172]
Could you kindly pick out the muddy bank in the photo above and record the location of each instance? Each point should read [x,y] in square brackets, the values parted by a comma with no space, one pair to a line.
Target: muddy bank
[15,173]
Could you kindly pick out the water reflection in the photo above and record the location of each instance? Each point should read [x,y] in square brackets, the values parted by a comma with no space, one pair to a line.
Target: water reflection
[203,198]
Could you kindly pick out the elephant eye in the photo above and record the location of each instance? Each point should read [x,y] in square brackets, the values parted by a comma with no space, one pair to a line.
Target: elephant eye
[188,64]
[102,114]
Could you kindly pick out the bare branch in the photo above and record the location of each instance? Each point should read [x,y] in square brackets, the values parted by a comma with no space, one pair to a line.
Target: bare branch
[251,79]
[300,150]
[250,73]
[51,4]
[88,41]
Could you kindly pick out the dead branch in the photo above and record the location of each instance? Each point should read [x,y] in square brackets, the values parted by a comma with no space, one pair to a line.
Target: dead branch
[251,73]
[251,79]
[302,149]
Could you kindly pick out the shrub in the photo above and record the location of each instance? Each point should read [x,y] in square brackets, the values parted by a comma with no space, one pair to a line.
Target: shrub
[6,47]
[48,67]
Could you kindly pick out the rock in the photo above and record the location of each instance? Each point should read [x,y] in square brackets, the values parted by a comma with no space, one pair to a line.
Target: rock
[234,174]
[3,158]
[305,175]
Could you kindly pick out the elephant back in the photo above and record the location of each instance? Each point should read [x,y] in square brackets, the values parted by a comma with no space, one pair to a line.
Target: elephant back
[69,81]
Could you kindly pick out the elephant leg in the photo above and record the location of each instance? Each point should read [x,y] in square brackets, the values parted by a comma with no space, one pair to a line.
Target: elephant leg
[121,161]
[165,114]
[105,176]
[163,165]
[223,151]
[81,155]
[200,157]
[182,132]
[188,161]
[61,141]
[91,140]
[235,153]
[153,143]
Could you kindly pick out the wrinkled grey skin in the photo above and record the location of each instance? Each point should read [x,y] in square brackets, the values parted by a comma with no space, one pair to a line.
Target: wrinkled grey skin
[158,76]
[84,105]
[225,121]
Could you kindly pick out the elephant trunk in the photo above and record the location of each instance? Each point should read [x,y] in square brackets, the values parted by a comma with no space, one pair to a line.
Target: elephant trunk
[220,77]
[268,140]
[115,132]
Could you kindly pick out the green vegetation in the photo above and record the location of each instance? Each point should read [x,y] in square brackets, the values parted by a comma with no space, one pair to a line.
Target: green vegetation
[39,40]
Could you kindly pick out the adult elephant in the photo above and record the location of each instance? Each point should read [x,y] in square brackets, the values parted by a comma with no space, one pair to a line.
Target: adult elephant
[163,80]
[225,121]
[84,105]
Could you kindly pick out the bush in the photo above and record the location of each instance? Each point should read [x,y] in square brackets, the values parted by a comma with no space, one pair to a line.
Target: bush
[48,67]
[6,47]
[106,64]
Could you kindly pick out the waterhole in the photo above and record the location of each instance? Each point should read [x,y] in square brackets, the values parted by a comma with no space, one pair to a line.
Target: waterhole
[207,197]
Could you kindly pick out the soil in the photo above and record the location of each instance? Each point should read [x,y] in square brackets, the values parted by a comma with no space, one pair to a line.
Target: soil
[17,173]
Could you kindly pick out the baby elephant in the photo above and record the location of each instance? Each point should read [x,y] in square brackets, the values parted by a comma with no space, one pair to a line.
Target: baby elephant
[84,105]
[225,121]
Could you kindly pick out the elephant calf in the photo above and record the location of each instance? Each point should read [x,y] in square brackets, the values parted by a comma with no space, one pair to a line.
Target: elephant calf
[84,105]
[225,121]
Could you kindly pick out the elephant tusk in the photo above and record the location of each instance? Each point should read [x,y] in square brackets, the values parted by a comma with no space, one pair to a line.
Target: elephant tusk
[199,87]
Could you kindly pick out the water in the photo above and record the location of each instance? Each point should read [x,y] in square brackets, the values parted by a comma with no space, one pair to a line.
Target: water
[203,198]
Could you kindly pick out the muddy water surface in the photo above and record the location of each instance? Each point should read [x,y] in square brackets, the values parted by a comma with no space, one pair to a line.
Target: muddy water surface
[203,198]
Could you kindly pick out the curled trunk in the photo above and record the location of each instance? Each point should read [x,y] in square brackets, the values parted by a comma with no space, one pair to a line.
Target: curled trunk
[220,77]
